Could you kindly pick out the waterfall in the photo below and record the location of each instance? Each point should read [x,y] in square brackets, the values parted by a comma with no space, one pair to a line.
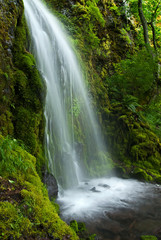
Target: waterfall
[73,138]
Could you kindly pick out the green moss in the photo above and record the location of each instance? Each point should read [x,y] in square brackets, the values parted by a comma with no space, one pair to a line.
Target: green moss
[56,206]
[141,174]
[6,124]
[21,90]
[148,237]
[13,223]
[14,160]
[133,144]
[74,225]
[25,126]
[29,96]
[33,215]
[158,179]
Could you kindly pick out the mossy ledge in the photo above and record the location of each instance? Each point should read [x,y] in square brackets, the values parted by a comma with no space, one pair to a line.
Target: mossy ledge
[135,147]
[25,209]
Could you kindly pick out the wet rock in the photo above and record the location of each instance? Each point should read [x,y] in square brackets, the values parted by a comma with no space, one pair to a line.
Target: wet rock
[123,215]
[51,184]
[104,185]
[120,172]
[147,225]
[94,190]
[112,227]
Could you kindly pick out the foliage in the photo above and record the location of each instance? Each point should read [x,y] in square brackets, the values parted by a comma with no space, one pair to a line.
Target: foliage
[95,12]
[11,161]
[152,11]
[15,224]
[92,14]
[74,225]
[131,103]
[153,115]
[80,229]
[134,76]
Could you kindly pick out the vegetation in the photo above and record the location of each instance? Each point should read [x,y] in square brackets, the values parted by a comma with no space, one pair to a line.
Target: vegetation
[148,237]
[119,50]
[25,209]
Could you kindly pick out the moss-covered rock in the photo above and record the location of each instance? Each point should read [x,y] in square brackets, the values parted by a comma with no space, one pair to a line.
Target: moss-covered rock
[133,144]
[25,209]
[9,14]
[22,90]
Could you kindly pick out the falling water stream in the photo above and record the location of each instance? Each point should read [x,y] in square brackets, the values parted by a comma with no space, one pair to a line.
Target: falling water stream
[67,101]
[74,144]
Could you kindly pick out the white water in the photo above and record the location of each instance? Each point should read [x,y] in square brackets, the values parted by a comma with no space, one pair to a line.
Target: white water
[68,111]
[83,204]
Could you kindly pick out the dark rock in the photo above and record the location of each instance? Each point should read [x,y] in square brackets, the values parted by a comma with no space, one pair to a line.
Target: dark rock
[147,226]
[112,227]
[51,236]
[104,185]
[51,184]
[94,190]
[10,238]
[123,215]
[119,172]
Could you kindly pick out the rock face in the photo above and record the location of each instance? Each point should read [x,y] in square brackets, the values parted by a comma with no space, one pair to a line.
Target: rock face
[21,87]
[10,12]
[51,185]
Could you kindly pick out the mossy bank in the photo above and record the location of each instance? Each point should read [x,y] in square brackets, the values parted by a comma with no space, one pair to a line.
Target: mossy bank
[25,209]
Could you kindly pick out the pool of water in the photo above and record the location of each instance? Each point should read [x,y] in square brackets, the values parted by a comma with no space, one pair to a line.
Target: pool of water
[114,208]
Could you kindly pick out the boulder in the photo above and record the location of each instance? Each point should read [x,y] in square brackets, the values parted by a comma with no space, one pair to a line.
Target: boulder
[51,184]
[94,190]
[104,185]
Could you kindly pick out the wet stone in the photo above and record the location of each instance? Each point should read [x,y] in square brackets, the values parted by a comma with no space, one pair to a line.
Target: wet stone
[122,215]
[104,185]
[94,190]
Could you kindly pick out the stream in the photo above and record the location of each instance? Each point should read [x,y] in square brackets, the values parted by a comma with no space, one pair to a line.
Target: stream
[114,208]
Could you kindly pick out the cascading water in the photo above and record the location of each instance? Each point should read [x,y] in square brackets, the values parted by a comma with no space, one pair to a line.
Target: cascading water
[70,121]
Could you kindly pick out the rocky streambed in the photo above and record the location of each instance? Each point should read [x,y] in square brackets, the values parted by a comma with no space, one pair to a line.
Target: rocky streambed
[115,209]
